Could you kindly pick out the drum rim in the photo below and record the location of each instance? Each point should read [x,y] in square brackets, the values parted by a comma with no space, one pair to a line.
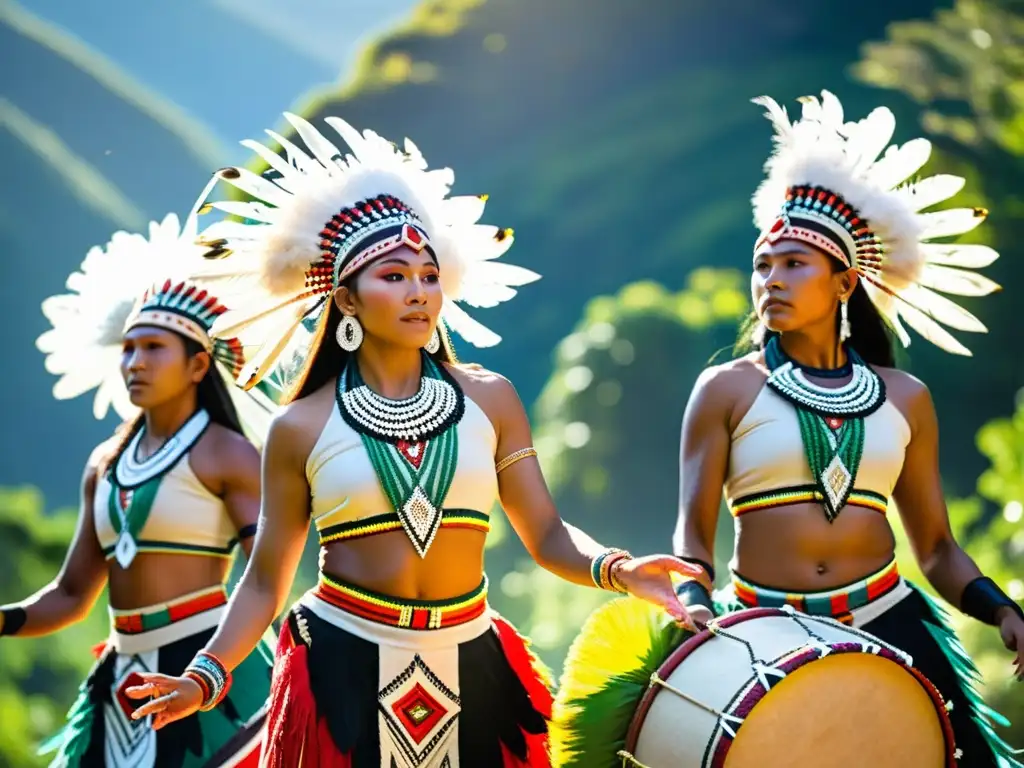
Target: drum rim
[676,658]
[691,644]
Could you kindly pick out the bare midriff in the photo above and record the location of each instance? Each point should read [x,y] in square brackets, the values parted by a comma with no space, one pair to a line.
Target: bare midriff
[155,577]
[796,548]
[388,564]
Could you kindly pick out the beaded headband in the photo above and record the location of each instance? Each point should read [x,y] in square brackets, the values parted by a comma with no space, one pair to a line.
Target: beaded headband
[124,285]
[319,216]
[840,187]
[187,309]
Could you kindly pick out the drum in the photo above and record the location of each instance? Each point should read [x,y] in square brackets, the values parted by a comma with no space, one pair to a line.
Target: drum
[774,688]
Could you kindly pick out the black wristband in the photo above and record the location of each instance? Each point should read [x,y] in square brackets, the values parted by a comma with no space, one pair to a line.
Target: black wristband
[692,593]
[703,564]
[14,620]
[982,599]
[247,531]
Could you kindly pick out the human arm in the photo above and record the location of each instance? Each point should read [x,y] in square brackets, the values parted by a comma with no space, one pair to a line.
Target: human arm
[922,507]
[554,544]
[240,471]
[264,587]
[70,596]
[703,463]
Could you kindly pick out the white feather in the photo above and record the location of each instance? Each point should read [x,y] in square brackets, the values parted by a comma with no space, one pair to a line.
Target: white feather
[855,161]
[954,221]
[310,192]
[468,328]
[931,191]
[932,331]
[956,281]
[956,255]
[940,309]
[899,163]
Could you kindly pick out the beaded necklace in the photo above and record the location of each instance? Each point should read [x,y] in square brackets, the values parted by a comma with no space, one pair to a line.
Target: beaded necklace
[413,444]
[831,420]
[134,483]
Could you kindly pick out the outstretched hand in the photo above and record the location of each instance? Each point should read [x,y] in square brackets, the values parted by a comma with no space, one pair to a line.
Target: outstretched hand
[1011,630]
[650,579]
[173,698]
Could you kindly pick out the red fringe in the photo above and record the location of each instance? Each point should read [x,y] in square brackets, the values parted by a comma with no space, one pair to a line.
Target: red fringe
[530,670]
[296,737]
[98,649]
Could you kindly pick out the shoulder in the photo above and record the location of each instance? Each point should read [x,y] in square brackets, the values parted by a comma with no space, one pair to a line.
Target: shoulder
[98,459]
[227,445]
[487,388]
[908,394]
[296,427]
[495,395]
[722,389]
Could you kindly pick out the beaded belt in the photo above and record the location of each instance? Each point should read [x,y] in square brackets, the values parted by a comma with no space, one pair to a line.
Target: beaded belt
[781,497]
[399,612]
[159,616]
[837,603]
[390,521]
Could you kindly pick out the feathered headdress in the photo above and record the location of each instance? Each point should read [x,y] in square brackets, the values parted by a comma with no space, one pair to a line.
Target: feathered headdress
[839,186]
[326,214]
[138,281]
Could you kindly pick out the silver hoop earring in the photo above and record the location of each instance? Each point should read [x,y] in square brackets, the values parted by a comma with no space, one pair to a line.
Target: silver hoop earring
[435,342]
[349,334]
[844,320]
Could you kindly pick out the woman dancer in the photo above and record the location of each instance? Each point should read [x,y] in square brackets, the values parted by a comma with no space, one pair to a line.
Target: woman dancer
[164,502]
[813,432]
[397,455]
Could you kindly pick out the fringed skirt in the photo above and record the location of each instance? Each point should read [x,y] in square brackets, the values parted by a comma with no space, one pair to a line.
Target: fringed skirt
[894,610]
[163,638]
[362,680]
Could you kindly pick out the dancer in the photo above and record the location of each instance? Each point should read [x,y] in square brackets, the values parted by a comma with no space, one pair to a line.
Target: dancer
[813,432]
[164,503]
[397,454]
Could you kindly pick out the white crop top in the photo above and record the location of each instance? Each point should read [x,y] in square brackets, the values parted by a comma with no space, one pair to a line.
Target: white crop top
[185,518]
[348,500]
[768,464]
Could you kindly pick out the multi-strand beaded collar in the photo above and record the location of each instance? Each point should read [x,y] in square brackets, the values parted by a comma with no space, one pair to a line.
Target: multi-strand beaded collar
[413,444]
[831,419]
[134,483]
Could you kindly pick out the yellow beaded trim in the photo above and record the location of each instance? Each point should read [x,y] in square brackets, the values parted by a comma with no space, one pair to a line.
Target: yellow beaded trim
[512,458]
[398,604]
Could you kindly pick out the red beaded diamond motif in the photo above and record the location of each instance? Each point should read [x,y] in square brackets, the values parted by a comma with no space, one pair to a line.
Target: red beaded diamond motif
[412,452]
[834,422]
[125,498]
[418,712]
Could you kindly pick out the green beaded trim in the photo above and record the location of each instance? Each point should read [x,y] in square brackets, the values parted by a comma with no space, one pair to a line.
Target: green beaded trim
[833,454]
[417,494]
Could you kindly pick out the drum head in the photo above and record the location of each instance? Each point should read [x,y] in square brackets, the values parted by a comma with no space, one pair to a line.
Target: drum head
[844,711]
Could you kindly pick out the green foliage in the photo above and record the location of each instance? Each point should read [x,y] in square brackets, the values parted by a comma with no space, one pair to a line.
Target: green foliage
[39,677]
[996,543]
[608,433]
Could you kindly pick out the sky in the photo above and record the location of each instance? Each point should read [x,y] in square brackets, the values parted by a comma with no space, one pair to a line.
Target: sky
[201,54]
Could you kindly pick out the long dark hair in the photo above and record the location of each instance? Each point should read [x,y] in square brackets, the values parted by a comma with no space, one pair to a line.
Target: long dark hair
[211,395]
[329,360]
[869,334]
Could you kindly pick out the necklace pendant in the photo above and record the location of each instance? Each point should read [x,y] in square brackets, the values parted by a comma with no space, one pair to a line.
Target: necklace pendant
[834,423]
[412,452]
[421,520]
[125,550]
[836,480]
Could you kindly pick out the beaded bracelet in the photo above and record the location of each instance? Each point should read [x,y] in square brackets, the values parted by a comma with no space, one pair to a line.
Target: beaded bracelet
[601,569]
[212,677]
